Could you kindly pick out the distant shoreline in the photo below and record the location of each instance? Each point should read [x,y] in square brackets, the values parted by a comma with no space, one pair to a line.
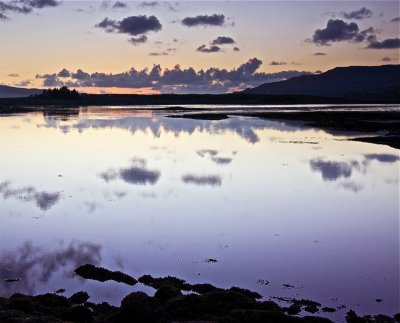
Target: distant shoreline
[181,99]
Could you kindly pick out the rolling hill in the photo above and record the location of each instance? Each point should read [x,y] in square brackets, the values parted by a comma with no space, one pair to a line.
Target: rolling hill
[353,82]
[16,92]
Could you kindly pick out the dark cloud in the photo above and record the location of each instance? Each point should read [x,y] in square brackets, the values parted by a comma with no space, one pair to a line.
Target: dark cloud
[177,79]
[136,174]
[139,175]
[223,40]
[204,20]
[221,160]
[158,54]
[35,266]
[351,186]
[150,4]
[138,40]
[333,170]
[64,73]
[319,54]
[24,7]
[119,5]
[205,152]
[337,30]
[23,83]
[50,80]
[44,200]
[134,25]
[210,180]
[236,49]
[386,59]
[13,75]
[397,19]
[211,49]
[275,63]
[383,158]
[390,43]
[359,14]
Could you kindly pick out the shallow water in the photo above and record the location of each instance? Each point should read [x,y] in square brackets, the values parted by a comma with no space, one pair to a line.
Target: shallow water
[132,190]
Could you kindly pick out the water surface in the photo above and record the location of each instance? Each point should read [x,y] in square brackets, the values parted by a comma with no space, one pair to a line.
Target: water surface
[133,190]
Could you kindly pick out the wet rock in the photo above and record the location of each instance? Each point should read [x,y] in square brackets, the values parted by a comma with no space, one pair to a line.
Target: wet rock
[204,288]
[156,283]
[101,274]
[311,309]
[293,309]
[167,292]
[79,298]
[21,303]
[52,300]
[219,303]
[78,313]
[247,292]
[328,309]
[139,307]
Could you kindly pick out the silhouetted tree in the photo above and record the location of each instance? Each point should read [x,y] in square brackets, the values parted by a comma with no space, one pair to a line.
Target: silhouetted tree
[60,93]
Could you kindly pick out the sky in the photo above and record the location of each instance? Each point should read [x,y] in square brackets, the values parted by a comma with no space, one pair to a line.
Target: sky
[188,46]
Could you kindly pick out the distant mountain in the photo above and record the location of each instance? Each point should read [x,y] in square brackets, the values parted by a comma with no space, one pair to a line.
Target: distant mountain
[353,82]
[16,92]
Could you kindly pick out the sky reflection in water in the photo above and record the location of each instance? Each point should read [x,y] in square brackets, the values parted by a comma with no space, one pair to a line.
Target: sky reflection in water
[144,193]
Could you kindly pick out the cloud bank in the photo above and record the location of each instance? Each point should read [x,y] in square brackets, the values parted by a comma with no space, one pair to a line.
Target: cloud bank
[176,80]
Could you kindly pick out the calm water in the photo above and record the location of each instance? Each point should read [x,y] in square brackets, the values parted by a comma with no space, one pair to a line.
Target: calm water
[146,194]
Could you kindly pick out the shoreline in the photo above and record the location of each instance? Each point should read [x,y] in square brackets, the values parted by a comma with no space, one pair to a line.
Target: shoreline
[174,300]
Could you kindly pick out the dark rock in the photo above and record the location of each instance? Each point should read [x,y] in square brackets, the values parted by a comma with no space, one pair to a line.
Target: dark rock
[311,309]
[204,288]
[169,280]
[293,309]
[101,274]
[167,292]
[52,300]
[22,303]
[248,293]
[79,298]
[139,307]
[328,309]
[78,313]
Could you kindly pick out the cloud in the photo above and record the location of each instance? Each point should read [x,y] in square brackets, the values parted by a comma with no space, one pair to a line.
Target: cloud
[137,174]
[158,54]
[151,4]
[386,59]
[337,30]
[210,180]
[204,20]
[44,200]
[24,7]
[119,5]
[205,152]
[176,79]
[397,19]
[64,73]
[319,54]
[236,49]
[13,75]
[221,160]
[275,63]
[36,266]
[359,14]
[133,25]
[211,49]
[23,83]
[389,43]
[333,170]
[223,40]
[383,158]
[138,40]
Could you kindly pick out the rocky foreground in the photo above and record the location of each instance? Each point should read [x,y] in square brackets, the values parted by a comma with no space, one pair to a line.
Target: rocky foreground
[174,301]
